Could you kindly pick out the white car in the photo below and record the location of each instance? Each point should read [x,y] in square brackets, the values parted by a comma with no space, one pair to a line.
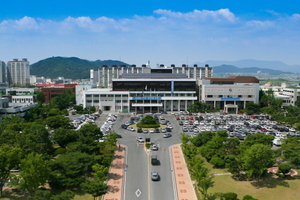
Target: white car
[139,139]
[152,130]
[163,130]
[130,128]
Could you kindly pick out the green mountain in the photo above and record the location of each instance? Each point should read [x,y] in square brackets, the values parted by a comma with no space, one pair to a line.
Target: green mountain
[73,68]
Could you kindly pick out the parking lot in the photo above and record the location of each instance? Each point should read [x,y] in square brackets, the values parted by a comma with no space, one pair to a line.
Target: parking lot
[235,125]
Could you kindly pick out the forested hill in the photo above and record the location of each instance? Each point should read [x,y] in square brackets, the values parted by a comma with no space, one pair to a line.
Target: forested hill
[73,68]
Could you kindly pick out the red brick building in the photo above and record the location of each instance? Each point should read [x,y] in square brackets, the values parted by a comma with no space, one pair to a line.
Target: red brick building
[53,90]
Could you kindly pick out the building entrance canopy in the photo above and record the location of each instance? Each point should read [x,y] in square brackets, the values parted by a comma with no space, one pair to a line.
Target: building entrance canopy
[147,104]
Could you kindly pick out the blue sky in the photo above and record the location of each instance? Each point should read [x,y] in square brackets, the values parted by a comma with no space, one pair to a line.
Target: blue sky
[162,32]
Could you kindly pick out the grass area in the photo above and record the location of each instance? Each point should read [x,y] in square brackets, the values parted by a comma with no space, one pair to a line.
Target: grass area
[79,195]
[269,188]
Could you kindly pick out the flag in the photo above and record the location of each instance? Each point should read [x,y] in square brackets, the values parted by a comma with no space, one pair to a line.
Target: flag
[146,87]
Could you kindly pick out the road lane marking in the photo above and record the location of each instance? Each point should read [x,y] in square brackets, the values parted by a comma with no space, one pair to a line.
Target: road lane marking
[138,193]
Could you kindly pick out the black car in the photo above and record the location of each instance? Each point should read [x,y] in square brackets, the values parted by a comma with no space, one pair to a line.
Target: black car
[119,136]
[124,126]
[169,129]
[139,130]
[157,130]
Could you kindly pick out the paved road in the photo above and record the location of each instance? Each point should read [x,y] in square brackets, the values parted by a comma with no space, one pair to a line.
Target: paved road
[137,183]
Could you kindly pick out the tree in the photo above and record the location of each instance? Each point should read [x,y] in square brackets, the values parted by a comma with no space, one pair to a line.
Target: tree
[40,97]
[257,159]
[248,197]
[259,138]
[58,121]
[217,162]
[64,136]
[229,196]
[69,169]
[9,159]
[284,168]
[252,107]
[34,172]
[200,174]
[290,149]
[202,138]
[198,107]
[65,195]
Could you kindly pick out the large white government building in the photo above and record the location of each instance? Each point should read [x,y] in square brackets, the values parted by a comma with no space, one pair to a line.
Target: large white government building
[105,74]
[170,89]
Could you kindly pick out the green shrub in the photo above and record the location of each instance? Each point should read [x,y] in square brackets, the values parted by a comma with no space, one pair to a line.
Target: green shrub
[217,162]
[60,151]
[141,125]
[148,145]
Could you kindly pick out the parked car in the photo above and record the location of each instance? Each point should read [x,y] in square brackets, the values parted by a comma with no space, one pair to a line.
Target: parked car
[163,130]
[130,128]
[152,130]
[139,130]
[145,130]
[157,130]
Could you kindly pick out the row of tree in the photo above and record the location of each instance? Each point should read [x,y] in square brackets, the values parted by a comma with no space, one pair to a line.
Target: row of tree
[46,150]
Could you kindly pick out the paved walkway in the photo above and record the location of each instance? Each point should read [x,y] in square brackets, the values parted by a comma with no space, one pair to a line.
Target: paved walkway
[116,175]
[185,189]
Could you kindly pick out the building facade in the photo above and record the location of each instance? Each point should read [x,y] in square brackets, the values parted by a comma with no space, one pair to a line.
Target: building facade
[143,93]
[229,94]
[3,72]
[105,74]
[18,72]
[52,90]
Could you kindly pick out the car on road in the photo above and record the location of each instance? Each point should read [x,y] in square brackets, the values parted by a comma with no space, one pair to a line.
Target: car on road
[139,139]
[124,126]
[166,135]
[154,176]
[154,147]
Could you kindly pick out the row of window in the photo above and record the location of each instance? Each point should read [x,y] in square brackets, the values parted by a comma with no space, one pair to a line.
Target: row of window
[144,94]
[229,96]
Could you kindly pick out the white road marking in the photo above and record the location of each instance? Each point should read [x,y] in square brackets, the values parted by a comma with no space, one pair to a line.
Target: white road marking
[138,193]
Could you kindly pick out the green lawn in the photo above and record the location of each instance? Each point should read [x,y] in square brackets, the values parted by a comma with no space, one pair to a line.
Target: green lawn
[270,187]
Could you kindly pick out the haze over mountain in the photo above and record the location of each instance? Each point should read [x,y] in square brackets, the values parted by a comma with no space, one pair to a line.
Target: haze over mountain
[248,63]
[76,68]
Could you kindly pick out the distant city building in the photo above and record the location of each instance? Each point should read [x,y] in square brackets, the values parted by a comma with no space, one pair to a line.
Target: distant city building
[105,74]
[3,72]
[18,72]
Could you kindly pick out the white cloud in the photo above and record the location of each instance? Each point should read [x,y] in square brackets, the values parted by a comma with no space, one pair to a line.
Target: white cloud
[204,15]
[166,33]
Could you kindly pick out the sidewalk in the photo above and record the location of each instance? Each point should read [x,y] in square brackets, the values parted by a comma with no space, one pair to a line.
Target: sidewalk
[184,185]
[116,176]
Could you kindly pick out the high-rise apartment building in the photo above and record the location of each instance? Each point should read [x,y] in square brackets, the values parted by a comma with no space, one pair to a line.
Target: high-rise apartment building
[2,72]
[18,72]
